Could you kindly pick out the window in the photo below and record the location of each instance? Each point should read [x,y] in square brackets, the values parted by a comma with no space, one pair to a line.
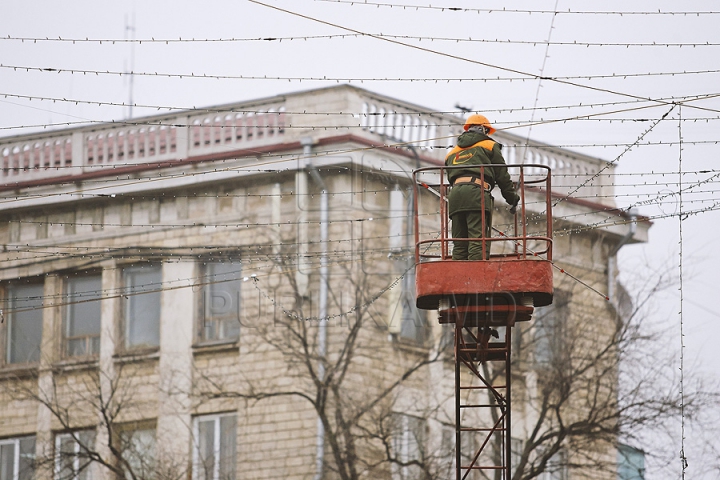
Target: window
[517,446]
[72,455]
[467,452]
[413,326]
[137,447]
[408,443]
[141,306]
[557,467]
[447,336]
[17,458]
[220,304]
[404,319]
[551,349]
[82,315]
[631,463]
[25,323]
[214,452]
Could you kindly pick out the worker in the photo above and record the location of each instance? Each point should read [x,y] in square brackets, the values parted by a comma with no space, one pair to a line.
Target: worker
[473,150]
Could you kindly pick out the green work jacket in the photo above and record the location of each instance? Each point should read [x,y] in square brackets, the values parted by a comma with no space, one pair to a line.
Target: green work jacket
[473,150]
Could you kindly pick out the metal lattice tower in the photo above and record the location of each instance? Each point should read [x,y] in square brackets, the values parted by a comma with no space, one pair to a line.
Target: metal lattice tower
[484,299]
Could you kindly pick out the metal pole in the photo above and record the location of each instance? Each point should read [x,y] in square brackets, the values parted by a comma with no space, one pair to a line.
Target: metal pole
[483,217]
[443,217]
[458,433]
[508,404]
[548,215]
[523,214]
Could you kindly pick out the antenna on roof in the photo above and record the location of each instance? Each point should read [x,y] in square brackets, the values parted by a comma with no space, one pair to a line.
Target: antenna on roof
[130,27]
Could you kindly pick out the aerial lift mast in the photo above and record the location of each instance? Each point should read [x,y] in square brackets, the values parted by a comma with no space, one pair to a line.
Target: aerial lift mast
[483,299]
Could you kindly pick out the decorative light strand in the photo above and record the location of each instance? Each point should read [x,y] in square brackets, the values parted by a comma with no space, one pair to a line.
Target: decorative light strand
[534,43]
[681,217]
[615,160]
[340,113]
[325,78]
[515,10]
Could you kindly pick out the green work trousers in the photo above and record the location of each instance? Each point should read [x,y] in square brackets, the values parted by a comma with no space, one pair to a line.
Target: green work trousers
[469,225]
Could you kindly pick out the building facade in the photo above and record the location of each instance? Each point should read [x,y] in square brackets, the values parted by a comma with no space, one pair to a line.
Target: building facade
[228,293]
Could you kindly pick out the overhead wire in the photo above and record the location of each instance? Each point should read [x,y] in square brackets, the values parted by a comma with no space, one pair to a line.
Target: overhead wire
[539,84]
[460,58]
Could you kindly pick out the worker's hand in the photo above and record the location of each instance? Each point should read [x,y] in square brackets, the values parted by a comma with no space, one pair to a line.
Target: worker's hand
[513,206]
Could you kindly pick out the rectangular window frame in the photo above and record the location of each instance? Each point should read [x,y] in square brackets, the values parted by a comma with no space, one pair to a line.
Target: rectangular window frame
[414,326]
[222,327]
[557,467]
[91,342]
[8,351]
[79,471]
[197,474]
[408,443]
[122,432]
[448,449]
[550,347]
[16,442]
[134,293]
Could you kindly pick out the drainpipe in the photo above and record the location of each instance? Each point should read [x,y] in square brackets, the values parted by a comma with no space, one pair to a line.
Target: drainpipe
[276,217]
[612,256]
[322,301]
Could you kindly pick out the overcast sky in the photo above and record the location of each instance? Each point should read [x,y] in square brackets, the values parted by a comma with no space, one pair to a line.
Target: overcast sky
[629,68]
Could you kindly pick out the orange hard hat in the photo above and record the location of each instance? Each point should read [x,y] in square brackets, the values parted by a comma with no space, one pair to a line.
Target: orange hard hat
[477,119]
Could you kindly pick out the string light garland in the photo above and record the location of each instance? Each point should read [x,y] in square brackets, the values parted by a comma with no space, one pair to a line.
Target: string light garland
[202,251]
[681,218]
[304,38]
[325,78]
[683,190]
[343,257]
[337,113]
[371,3]
[616,159]
[143,179]
[243,225]
[139,196]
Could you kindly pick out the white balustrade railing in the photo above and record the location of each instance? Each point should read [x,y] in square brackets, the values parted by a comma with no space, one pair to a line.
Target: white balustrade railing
[25,159]
[432,133]
[38,157]
[53,153]
[584,177]
[130,145]
[421,129]
[211,133]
